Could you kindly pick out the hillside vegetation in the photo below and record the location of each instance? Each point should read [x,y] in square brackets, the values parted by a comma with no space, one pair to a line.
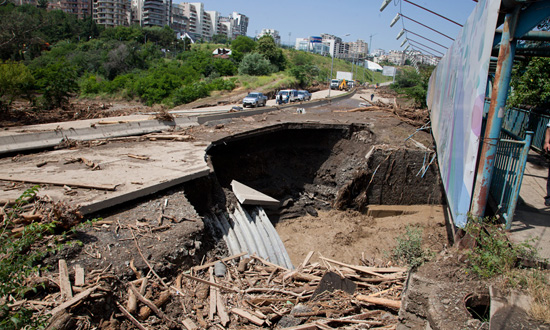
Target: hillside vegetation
[46,57]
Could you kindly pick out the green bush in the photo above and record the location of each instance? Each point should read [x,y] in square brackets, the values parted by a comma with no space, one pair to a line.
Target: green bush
[15,80]
[493,253]
[409,248]
[255,65]
[189,93]
[56,82]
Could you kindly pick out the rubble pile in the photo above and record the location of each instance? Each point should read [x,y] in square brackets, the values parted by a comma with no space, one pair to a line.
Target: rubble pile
[234,293]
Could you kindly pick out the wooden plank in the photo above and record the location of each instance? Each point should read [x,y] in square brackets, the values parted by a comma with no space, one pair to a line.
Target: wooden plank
[213,296]
[64,282]
[189,324]
[130,317]
[197,268]
[59,183]
[244,314]
[81,296]
[222,313]
[267,263]
[210,283]
[357,268]
[380,301]
[79,275]
[306,260]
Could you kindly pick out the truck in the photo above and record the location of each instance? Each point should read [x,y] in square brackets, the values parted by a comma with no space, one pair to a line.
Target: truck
[255,100]
[344,75]
[334,83]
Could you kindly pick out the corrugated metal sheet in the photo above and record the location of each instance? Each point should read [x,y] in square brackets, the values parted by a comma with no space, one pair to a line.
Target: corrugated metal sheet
[251,232]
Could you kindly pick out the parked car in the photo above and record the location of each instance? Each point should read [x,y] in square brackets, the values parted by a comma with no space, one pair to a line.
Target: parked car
[255,100]
[304,95]
[286,96]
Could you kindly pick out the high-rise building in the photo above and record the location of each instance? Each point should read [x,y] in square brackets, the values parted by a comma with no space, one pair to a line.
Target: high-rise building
[80,8]
[241,24]
[271,32]
[151,12]
[111,13]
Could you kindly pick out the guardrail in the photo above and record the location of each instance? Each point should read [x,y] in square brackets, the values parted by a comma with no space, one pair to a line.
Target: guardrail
[510,160]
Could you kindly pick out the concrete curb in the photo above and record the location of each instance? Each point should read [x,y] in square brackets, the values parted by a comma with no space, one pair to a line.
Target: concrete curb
[49,139]
[230,115]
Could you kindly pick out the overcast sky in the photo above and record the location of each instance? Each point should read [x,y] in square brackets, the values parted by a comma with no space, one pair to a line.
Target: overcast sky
[359,18]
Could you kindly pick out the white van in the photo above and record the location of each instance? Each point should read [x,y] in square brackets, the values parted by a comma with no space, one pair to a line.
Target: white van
[287,96]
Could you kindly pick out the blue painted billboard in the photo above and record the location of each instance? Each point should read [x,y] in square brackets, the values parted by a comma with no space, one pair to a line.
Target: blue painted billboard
[455,99]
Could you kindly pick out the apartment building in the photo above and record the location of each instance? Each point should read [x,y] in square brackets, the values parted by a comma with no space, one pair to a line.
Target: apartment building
[111,13]
[271,32]
[80,8]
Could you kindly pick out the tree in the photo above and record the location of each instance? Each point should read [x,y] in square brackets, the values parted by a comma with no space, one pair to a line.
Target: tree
[56,82]
[266,46]
[15,80]
[240,47]
[413,84]
[220,39]
[255,65]
[305,74]
[530,83]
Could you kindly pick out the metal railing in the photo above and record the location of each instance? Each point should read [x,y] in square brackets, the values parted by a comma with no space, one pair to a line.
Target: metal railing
[510,161]
[518,121]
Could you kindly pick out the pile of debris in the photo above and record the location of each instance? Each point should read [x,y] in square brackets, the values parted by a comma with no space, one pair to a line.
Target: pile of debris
[236,292]
[412,116]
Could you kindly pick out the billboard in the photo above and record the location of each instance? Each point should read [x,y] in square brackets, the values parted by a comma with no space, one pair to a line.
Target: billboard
[388,71]
[456,95]
[315,40]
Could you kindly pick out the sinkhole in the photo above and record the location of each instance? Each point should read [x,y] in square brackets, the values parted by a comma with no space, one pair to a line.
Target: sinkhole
[335,183]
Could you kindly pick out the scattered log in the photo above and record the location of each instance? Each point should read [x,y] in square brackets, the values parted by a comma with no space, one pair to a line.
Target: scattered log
[213,296]
[78,275]
[220,307]
[140,157]
[380,301]
[130,317]
[81,296]
[189,324]
[244,314]
[207,265]
[64,282]
[61,321]
[159,302]
[210,283]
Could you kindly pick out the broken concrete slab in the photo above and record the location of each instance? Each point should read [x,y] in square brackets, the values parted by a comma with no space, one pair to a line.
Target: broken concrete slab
[43,136]
[170,163]
[249,196]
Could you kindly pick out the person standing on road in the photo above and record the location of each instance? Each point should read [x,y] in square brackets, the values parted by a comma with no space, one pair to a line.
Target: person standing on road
[547,149]
[372,96]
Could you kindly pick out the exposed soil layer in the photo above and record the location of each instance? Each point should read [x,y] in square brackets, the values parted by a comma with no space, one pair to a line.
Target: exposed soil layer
[313,167]
[115,242]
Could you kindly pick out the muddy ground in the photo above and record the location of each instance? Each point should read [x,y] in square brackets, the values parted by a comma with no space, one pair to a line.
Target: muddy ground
[319,170]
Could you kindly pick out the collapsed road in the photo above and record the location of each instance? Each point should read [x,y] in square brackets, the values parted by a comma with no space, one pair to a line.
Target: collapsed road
[155,195]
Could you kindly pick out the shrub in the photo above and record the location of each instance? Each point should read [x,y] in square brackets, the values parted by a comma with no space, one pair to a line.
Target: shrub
[409,248]
[493,253]
[255,65]
[56,82]
[15,80]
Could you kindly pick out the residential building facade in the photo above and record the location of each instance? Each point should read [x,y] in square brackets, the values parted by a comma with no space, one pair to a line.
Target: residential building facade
[111,13]
[274,33]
